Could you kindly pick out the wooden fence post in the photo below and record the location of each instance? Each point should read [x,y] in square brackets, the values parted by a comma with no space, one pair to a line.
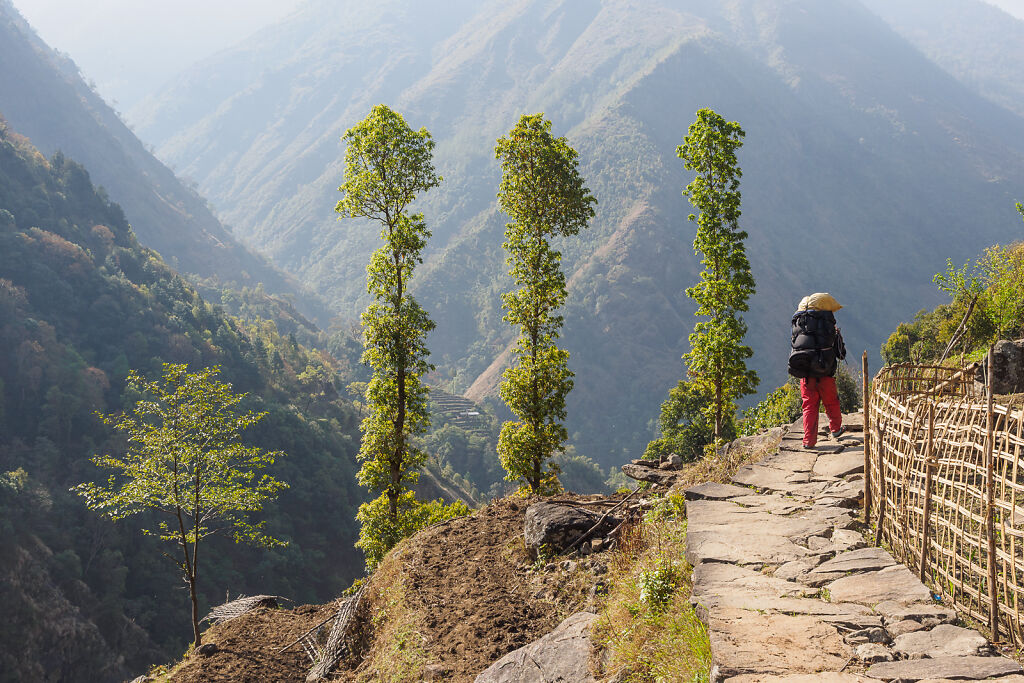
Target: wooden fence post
[929,465]
[990,504]
[881,484]
[865,393]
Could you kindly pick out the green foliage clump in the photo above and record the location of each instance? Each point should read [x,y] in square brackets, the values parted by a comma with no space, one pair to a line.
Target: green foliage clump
[659,584]
[647,624]
[542,191]
[987,304]
[186,460]
[780,407]
[380,530]
[685,424]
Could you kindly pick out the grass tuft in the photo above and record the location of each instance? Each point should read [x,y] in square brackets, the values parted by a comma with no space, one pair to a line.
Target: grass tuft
[647,624]
[399,648]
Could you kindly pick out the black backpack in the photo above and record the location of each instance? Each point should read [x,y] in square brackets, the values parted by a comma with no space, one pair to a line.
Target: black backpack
[817,345]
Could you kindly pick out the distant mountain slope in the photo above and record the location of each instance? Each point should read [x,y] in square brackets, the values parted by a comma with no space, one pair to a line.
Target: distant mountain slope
[43,96]
[81,303]
[865,166]
[981,45]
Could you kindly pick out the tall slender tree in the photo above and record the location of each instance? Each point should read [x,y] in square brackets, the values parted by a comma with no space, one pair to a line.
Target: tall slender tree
[386,165]
[717,357]
[545,196]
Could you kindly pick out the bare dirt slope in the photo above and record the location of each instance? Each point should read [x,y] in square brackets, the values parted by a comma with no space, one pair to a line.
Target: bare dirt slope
[247,648]
[468,587]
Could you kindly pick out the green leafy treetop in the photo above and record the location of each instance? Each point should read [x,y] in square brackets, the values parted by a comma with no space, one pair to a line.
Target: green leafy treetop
[717,359]
[544,194]
[386,165]
[185,460]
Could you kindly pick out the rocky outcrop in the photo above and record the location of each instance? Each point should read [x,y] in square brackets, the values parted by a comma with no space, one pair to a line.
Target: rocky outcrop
[1007,368]
[562,656]
[556,526]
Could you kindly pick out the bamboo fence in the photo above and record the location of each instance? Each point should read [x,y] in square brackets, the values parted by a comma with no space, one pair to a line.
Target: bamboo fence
[946,488]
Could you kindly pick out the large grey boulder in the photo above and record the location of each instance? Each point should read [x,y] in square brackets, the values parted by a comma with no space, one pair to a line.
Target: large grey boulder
[562,656]
[1008,368]
[651,473]
[556,526]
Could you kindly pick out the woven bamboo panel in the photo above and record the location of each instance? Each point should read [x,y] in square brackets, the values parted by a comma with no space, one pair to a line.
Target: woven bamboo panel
[904,400]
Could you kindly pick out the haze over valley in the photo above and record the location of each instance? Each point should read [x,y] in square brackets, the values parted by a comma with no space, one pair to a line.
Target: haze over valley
[193,221]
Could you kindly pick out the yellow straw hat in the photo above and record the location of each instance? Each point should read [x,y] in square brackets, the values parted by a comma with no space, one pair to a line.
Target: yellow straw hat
[819,301]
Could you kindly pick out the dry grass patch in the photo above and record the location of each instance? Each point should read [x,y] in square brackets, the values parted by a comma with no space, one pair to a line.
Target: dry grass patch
[648,628]
[398,651]
[721,467]
[647,625]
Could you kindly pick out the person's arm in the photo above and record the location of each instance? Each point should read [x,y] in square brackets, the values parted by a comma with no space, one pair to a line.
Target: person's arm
[840,345]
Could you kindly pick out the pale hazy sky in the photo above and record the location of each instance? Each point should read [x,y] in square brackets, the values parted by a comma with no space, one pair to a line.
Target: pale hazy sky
[131,47]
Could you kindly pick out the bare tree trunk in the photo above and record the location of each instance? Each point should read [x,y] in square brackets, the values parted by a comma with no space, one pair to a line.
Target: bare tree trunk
[197,637]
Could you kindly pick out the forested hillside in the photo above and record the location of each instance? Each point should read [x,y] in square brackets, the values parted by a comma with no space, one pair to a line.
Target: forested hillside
[45,97]
[865,164]
[81,303]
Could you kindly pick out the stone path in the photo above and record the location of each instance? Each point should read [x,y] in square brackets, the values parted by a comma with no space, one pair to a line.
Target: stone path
[791,592]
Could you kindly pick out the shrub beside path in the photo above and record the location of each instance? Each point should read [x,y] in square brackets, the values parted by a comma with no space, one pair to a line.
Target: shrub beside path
[790,589]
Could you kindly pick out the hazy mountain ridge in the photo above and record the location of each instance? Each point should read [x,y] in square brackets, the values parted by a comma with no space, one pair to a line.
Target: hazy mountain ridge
[979,44]
[857,147]
[43,95]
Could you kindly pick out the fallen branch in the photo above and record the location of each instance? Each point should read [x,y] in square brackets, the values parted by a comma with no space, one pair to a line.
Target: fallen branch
[591,530]
[959,332]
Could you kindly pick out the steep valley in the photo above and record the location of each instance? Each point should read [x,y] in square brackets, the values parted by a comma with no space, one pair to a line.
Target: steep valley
[866,165]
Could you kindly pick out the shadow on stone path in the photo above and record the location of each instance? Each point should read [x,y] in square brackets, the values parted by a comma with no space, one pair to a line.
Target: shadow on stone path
[789,590]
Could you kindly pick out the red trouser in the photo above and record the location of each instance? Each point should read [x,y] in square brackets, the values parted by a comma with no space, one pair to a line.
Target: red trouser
[813,389]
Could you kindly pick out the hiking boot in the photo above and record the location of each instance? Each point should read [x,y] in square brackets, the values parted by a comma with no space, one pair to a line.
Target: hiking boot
[809,446]
[839,432]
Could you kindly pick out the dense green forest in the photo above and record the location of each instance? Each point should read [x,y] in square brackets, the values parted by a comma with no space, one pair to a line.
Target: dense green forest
[81,303]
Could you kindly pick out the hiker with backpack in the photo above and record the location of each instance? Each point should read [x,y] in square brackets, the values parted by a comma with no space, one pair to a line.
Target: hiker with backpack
[817,347]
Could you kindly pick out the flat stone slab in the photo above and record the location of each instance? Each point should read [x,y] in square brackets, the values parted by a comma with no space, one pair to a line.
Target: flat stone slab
[770,502]
[721,531]
[955,668]
[792,461]
[715,491]
[841,464]
[713,580]
[945,640]
[746,643]
[928,613]
[712,546]
[845,539]
[863,560]
[846,493]
[894,583]
[717,586]
[827,677]
[767,478]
